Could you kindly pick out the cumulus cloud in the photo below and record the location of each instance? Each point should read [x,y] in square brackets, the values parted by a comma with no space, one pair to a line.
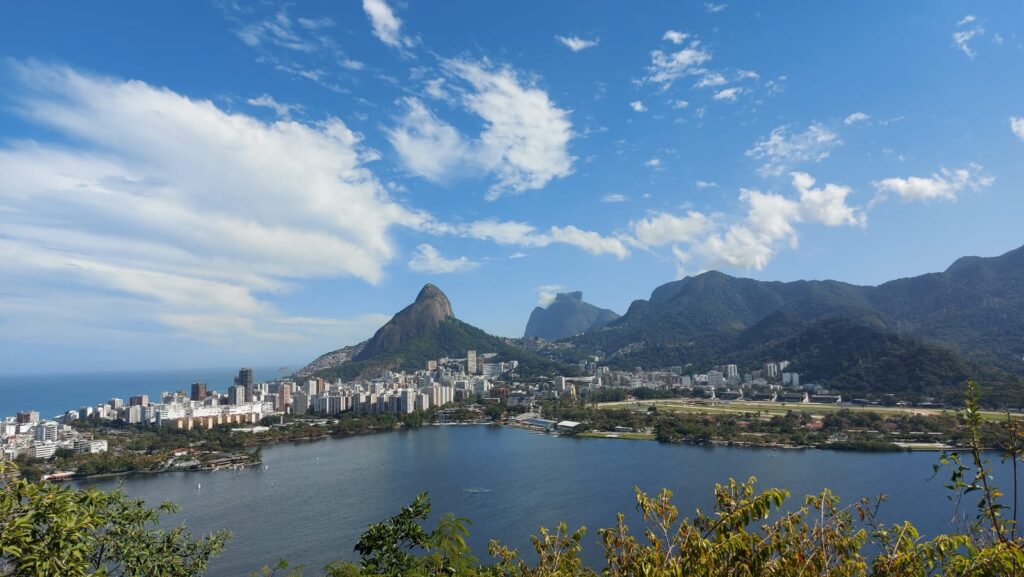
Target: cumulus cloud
[524,142]
[654,163]
[827,204]
[855,118]
[1017,126]
[712,8]
[663,228]
[386,26]
[614,198]
[575,43]
[638,106]
[429,260]
[750,242]
[783,149]
[942,185]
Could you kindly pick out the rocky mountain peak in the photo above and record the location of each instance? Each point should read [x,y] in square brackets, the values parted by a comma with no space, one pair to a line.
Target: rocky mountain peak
[430,309]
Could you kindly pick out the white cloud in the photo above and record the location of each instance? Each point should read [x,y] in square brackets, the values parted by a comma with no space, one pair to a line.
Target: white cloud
[750,242]
[614,198]
[386,26]
[728,94]
[826,205]
[663,228]
[680,104]
[428,146]
[279,31]
[575,43]
[962,38]
[654,163]
[702,184]
[546,294]
[589,241]
[429,260]
[1017,126]
[281,109]
[525,235]
[171,201]
[675,37]
[943,185]
[782,149]
[855,118]
[524,142]
[304,47]
[712,8]
[638,106]
[711,79]
[667,67]
[435,89]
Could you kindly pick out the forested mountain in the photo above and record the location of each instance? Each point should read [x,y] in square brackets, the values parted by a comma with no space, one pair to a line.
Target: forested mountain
[425,330]
[938,328]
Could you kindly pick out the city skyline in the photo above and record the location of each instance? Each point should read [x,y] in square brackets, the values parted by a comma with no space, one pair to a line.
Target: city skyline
[212,185]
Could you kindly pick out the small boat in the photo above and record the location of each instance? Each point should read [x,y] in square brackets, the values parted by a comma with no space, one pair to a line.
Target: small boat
[476,490]
[199,486]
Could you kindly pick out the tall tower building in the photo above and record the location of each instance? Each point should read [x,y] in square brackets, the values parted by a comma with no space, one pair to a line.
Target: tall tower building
[198,391]
[236,395]
[284,398]
[471,362]
[245,379]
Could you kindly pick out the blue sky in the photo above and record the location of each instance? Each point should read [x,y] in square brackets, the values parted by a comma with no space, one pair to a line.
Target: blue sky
[211,184]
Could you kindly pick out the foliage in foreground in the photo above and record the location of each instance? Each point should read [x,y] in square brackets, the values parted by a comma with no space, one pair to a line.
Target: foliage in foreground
[53,530]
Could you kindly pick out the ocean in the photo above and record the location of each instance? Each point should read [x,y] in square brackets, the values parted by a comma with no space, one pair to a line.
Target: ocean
[53,394]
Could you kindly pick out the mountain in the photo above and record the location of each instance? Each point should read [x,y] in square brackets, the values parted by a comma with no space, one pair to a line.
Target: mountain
[971,314]
[430,309]
[566,316]
[425,330]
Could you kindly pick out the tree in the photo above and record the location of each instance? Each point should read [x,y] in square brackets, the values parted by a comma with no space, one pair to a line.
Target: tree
[48,529]
[387,548]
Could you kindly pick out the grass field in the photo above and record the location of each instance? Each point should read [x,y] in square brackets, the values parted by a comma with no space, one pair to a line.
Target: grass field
[768,408]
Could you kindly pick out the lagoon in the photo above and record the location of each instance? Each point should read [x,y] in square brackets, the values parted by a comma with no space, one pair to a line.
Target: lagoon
[312,500]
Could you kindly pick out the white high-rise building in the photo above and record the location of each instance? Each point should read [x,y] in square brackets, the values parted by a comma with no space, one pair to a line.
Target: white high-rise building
[46,431]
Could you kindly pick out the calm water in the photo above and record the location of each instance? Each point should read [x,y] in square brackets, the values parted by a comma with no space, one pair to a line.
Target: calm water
[52,394]
[314,499]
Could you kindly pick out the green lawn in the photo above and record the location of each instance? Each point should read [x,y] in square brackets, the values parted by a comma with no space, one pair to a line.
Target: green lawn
[766,408]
